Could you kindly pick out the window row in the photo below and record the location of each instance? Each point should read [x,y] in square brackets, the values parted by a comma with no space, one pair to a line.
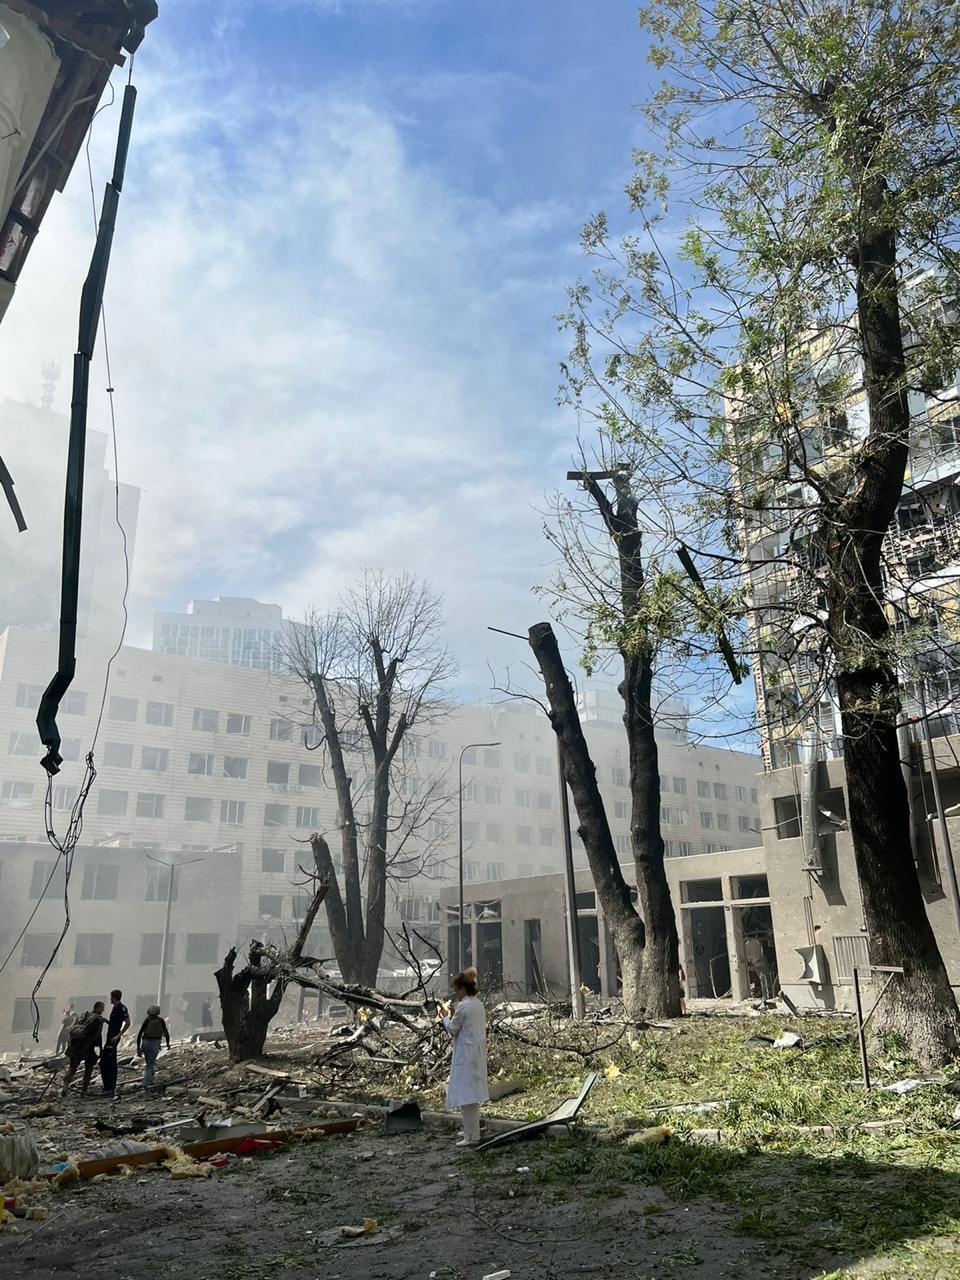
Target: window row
[485,793]
[493,833]
[100,881]
[97,949]
[188,1009]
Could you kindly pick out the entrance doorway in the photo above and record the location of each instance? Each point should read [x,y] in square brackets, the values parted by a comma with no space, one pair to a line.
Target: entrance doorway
[708,946]
[754,925]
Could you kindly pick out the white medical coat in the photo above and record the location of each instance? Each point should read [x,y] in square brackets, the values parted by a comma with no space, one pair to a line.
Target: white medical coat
[468,1069]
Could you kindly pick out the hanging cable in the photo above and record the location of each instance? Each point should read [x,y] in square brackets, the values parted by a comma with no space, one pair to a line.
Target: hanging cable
[91,316]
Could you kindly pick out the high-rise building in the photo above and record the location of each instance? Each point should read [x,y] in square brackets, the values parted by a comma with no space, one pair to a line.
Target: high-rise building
[35,451]
[816,897]
[233,630]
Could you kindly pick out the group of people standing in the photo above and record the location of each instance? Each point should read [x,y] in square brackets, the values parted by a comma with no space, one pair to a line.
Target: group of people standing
[81,1038]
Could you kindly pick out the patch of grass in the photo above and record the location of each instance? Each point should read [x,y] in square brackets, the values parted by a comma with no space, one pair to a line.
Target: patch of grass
[762,1223]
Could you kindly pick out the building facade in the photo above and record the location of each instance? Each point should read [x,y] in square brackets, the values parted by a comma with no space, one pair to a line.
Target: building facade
[118,899]
[232,630]
[206,759]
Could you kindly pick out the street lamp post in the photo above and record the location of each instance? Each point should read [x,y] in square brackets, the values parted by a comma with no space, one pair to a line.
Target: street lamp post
[471,746]
[570,886]
[165,943]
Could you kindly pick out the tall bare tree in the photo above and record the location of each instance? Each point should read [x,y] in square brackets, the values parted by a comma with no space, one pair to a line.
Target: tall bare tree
[377,670]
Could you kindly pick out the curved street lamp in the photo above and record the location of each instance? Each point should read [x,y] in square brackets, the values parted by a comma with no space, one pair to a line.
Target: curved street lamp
[471,746]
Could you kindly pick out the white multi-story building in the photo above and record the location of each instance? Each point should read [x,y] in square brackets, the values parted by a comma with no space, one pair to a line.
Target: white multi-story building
[200,757]
[34,448]
[233,630]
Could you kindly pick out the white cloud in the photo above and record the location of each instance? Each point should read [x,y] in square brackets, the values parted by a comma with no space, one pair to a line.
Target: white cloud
[321,352]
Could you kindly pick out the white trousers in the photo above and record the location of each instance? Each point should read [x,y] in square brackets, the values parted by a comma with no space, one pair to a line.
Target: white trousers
[471,1122]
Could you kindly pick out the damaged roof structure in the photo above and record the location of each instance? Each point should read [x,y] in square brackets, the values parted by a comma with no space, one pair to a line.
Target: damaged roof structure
[56,58]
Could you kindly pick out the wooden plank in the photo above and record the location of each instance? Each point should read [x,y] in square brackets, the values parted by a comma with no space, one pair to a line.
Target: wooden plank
[201,1150]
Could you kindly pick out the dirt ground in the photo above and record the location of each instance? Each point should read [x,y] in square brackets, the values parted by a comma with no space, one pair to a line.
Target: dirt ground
[540,1210]
[775,1197]
[440,1212]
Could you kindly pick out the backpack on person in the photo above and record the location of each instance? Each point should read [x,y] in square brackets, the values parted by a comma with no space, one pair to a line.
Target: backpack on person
[81,1028]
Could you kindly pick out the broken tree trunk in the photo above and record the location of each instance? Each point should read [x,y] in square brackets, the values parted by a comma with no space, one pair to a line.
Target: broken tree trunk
[250,998]
[661,958]
[613,893]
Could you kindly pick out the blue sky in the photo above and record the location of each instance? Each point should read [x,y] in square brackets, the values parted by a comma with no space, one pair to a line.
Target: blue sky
[346,230]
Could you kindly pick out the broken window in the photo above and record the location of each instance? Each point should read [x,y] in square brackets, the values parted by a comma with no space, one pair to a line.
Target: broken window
[159,713]
[41,873]
[271,905]
[237,723]
[149,805]
[100,881]
[281,731]
[156,759]
[198,809]
[232,812]
[151,945]
[112,803]
[202,948]
[23,1013]
[278,774]
[273,860]
[786,815]
[23,744]
[37,950]
[309,775]
[29,695]
[751,887]
[701,891]
[122,709]
[158,884]
[93,948]
[201,763]
[491,758]
[118,755]
[18,795]
[275,815]
[206,720]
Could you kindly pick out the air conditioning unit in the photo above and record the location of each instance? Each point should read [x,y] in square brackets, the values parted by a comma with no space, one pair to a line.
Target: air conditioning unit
[814,965]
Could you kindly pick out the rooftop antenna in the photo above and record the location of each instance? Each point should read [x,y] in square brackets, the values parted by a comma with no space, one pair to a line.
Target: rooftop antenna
[51,376]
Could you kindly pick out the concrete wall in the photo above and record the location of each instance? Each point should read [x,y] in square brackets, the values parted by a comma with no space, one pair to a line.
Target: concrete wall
[823,906]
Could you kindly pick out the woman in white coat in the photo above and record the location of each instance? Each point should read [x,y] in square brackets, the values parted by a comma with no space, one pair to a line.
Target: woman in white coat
[468,1069]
